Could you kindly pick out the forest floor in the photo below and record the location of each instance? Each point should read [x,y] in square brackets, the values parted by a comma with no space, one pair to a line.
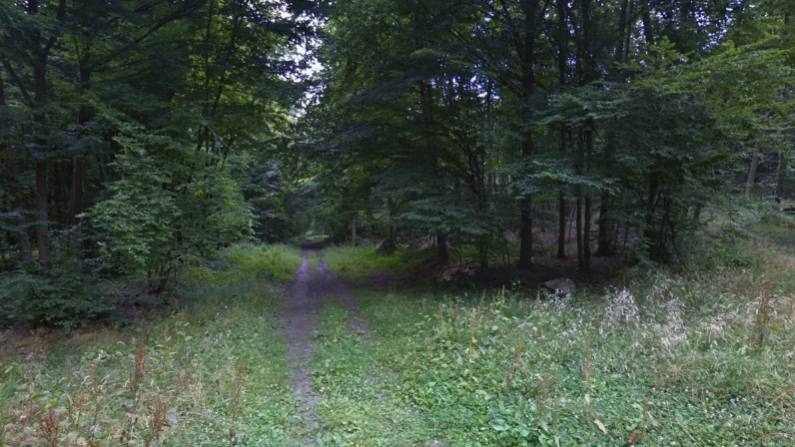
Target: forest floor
[696,356]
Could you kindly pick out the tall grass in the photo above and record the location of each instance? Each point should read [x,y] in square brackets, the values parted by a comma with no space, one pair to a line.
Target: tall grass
[180,381]
[238,269]
[692,359]
[276,261]
[359,262]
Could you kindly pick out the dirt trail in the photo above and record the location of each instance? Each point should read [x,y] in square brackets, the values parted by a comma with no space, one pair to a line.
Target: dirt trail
[301,311]
[753,235]
[341,291]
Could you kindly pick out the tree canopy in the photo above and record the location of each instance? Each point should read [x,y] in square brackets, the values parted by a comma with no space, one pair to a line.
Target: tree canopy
[141,136]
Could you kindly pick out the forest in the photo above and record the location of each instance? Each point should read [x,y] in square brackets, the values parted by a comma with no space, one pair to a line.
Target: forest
[397,222]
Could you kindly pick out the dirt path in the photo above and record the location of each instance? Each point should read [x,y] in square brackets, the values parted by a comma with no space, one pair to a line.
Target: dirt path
[341,291]
[301,311]
[751,234]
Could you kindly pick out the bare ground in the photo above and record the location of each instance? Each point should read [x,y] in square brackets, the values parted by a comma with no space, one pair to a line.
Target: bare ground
[301,311]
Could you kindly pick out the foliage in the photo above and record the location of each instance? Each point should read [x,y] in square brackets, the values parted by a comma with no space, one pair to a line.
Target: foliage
[462,115]
[158,128]
[357,263]
[279,261]
[168,210]
[190,366]
[62,297]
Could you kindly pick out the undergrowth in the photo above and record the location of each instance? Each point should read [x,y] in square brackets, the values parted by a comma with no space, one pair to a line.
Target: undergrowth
[213,375]
[700,355]
[276,261]
[359,262]
[699,358]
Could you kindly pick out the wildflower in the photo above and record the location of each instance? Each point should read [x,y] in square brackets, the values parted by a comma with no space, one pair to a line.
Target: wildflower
[23,418]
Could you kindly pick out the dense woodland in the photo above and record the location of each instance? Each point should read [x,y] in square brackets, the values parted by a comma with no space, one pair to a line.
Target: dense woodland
[369,223]
[139,137]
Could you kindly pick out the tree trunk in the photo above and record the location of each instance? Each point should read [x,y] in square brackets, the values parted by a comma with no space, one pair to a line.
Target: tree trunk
[85,115]
[562,44]
[484,251]
[604,249]
[441,246]
[353,231]
[40,118]
[781,174]
[626,12]
[42,227]
[40,58]
[586,239]
[561,225]
[580,251]
[648,33]
[651,203]
[752,171]
[586,233]
[16,200]
[527,88]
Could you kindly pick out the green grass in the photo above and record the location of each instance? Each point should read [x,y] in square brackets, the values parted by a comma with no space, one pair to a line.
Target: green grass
[702,356]
[359,262]
[315,237]
[688,362]
[277,261]
[780,234]
[362,404]
[192,365]
[763,218]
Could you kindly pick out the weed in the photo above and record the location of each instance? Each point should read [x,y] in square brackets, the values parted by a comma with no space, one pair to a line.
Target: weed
[357,263]
[762,318]
[49,428]
[120,387]
[137,375]
[156,422]
[663,362]
[240,382]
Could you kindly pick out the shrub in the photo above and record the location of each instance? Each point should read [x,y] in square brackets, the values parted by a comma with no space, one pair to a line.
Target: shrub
[59,297]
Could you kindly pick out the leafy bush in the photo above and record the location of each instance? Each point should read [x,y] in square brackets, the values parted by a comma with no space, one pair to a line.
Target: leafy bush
[160,215]
[60,297]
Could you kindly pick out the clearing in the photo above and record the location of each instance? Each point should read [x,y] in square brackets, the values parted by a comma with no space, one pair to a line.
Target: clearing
[670,359]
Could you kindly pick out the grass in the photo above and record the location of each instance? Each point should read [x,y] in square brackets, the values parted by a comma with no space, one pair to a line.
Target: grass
[674,361]
[276,261]
[194,365]
[763,219]
[359,262]
[361,403]
[702,356]
[213,374]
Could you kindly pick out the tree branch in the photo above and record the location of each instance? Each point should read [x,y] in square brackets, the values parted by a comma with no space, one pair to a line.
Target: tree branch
[18,82]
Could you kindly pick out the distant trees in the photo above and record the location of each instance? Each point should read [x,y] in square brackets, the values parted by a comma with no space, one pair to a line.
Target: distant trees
[139,132]
[461,118]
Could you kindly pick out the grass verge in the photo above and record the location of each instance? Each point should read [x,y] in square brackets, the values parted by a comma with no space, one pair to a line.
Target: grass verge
[214,375]
[698,359]
[362,404]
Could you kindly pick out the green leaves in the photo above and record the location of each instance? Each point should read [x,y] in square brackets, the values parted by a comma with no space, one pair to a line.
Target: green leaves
[170,206]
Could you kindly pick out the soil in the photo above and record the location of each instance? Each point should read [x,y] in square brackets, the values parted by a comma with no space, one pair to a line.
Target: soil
[301,311]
